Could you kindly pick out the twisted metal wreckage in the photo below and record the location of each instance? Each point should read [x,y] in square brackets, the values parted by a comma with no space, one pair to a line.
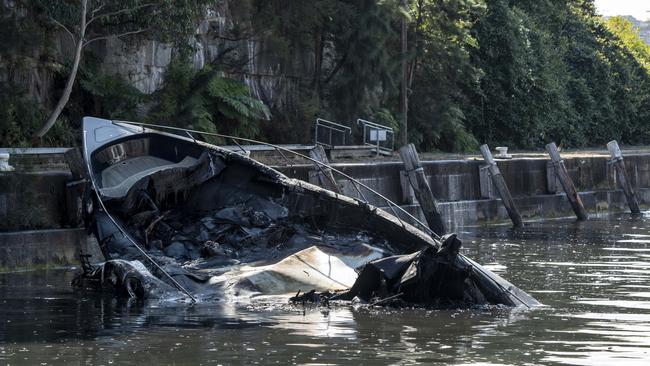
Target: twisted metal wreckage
[179,218]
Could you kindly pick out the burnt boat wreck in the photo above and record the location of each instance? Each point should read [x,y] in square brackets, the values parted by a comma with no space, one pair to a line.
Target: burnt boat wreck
[178,218]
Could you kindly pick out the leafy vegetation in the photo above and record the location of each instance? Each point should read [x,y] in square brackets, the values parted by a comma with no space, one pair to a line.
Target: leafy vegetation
[517,73]
[205,100]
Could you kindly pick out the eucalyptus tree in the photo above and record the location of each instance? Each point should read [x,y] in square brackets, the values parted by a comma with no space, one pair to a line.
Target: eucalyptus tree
[88,21]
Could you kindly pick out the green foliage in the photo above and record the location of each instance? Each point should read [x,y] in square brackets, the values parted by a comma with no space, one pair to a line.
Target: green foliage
[517,73]
[109,95]
[442,74]
[172,21]
[20,115]
[206,100]
[553,72]
[337,57]
[629,39]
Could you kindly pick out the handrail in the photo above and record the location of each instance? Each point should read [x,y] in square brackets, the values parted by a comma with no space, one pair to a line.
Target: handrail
[331,126]
[374,124]
[356,183]
[377,127]
[343,127]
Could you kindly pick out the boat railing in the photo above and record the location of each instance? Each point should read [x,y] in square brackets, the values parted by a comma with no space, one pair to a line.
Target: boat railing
[358,186]
[331,129]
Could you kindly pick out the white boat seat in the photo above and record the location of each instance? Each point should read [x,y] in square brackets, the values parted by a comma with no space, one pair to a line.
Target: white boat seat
[119,178]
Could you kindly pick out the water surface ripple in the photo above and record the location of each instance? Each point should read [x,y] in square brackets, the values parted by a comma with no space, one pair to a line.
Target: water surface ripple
[593,277]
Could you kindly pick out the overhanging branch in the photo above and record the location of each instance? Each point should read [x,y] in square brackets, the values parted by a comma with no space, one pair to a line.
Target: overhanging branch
[121,11]
[115,35]
[74,40]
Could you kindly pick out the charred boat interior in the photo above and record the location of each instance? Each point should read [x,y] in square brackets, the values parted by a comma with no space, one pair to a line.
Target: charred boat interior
[227,227]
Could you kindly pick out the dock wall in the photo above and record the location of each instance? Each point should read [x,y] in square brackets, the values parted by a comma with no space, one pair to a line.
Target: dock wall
[34,221]
[466,197]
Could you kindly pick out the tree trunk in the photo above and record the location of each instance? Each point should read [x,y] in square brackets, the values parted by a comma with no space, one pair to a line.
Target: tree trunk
[71,79]
[404,88]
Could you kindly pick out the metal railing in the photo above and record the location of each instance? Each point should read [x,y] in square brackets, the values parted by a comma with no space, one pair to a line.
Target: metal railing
[330,128]
[357,185]
[380,136]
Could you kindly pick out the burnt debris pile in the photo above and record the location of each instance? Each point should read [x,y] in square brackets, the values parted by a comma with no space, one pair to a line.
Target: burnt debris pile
[432,277]
[227,234]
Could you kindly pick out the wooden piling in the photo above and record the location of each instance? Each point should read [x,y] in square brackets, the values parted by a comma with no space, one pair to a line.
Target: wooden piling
[566,182]
[75,189]
[502,189]
[76,163]
[322,175]
[621,176]
[421,188]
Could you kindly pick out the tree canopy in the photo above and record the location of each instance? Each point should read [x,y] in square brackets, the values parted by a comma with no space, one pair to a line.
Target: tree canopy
[519,73]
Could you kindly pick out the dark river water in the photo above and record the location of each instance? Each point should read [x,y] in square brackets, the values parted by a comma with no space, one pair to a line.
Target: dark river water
[593,277]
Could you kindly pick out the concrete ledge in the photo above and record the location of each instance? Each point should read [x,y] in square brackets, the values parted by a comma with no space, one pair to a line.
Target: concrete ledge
[485,211]
[37,159]
[34,200]
[38,249]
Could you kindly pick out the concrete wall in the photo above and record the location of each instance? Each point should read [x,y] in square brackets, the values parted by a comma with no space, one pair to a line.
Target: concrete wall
[459,180]
[456,184]
[25,250]
[33,197]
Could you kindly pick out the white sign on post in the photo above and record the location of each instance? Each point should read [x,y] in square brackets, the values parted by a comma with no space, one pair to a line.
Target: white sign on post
[377,135]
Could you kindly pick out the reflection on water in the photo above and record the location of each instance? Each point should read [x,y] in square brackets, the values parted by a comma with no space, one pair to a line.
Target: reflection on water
[594,278]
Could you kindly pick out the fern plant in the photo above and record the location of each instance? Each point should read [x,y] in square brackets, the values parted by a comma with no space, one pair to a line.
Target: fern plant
[207,100]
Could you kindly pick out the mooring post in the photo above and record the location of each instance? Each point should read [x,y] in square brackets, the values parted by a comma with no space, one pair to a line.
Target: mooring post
[621,176]
[323,174]
[566,182]
[421,188]
[75,189]
[501,187]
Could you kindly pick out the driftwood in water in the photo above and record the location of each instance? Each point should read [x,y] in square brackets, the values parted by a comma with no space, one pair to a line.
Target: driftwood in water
[566,182]
[501,187]
[621,176]
[322,175]
[421,188]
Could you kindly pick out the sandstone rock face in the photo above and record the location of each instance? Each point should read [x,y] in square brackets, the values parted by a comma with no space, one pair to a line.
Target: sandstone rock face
[143,61]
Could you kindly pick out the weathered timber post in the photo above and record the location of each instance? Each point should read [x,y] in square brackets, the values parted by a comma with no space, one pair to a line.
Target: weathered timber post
[566,182]
[421,188]
[621,176]
[323,174]
[501,187]
[76,189]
